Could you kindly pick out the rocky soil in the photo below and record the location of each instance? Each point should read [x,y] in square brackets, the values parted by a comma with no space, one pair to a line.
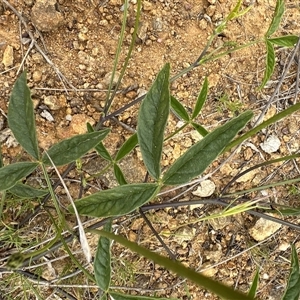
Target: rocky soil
[68,49]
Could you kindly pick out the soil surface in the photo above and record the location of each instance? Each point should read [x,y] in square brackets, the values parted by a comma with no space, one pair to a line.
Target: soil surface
[69,72]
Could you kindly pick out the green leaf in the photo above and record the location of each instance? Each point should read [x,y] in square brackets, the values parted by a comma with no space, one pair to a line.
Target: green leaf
[270,63]
[21,117]
[100,148]
[127,147]
[117,201]
[216,287]
[179,109]
[102,263]
[119,175]
[201,99]
[117,296]
[25,191]
[73,148]
[236,12]
[200,129]
[292,211]
[254,285]
[152,120]
[11,174]
[195,160]
[279,10]
[285,41]
[292,291]
[102,151]
[89,127]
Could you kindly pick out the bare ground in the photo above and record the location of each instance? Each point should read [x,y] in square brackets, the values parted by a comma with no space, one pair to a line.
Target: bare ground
[82,47]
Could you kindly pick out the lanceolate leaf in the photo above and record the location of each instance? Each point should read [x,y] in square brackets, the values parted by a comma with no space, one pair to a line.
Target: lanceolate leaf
[289,211]
[200,129]
[101,150]
[292,291]
[21,117]
[127,147]
[279,10]
[102,265]
[270,63]
[152,120]
[117,201]
[285,41]
[73,148]
[25,191]
[119,175]
[195,160]
[11,174]
[201,99]
[179,109]
[117,296]
[254,285]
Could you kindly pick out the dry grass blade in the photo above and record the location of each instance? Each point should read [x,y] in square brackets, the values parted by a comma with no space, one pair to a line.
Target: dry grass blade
[82,235]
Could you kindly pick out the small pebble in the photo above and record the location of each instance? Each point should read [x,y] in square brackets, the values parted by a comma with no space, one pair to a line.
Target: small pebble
[205,189]
[8,56]
[107,78]
[271,144]
[37,76]
[46,115]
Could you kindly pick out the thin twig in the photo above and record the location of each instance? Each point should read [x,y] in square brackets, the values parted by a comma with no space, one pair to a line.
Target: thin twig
[170,253]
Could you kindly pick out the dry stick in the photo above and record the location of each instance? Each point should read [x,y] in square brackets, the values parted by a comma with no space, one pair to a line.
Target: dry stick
[119,111]
[293,156]
[101,223]
[272,99]
[38,48]
[148,207]
[168,250]
[170,253]
[82,236]
[219,201]
[25,56]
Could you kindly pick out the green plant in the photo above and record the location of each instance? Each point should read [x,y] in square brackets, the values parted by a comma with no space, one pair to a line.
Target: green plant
[125,198]
[226,103]
[292,291]
[150,137]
